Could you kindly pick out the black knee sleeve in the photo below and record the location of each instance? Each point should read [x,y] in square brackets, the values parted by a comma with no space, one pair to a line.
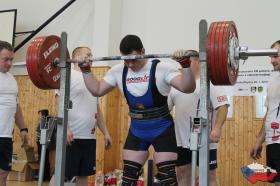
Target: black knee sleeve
[131,171]
[166,173]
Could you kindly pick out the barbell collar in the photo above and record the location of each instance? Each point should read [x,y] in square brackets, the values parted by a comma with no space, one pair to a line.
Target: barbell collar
[243,52]
[20,64]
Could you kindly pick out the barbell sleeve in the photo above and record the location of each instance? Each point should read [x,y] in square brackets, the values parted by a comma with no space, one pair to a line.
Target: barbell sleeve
[243,52]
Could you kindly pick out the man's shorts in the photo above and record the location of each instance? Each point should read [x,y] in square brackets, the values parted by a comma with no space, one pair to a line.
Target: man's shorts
[185,157]
[6,152]
[165,142]
[273,159]
[80,158]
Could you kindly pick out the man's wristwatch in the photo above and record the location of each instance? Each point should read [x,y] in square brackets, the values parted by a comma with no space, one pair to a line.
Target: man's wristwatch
[24,129]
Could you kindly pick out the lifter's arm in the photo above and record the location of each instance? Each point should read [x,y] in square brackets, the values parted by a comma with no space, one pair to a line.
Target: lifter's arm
[185,82]
[96,87]
[220,119]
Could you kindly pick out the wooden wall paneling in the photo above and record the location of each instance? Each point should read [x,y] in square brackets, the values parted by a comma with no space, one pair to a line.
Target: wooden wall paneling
[100,150]
[242,122]
[235,145]
[114,110]
[232,162]
[112,158]
[124,122]
[256,126]
[230,152]
[221,157]
[31,100]
[238,136]
[249,123]
[242,143]
[233,129]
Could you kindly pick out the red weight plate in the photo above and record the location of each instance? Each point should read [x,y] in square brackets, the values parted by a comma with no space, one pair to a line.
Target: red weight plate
[31,65]
[224,62]
[43,51]
[48,52]
[233,73]
[216,76]
[222,47]
[229,73]
[37,45]
[218,53]
[211,57]
[210,49]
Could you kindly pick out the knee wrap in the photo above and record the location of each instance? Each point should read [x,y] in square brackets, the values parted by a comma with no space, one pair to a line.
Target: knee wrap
[131,173]
[166,173]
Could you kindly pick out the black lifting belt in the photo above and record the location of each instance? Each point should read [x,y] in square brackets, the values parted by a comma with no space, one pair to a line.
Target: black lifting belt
[153,113]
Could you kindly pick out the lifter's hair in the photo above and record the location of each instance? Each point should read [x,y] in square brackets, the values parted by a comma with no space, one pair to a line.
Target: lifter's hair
[275,43]
[130,43]
[6,45]
[76,50]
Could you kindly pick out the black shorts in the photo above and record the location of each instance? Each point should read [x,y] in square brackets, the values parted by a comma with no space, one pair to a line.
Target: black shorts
[273,159]
[80,158]
[6,152]
[185,157]
[165,142]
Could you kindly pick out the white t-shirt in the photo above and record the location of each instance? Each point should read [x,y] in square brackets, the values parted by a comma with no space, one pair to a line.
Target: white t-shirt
[137,82]
[81,118]
[8,103]
[186,106]
[272,122]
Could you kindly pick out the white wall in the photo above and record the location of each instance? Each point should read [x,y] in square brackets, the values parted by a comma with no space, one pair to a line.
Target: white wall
[167,25]
[87,23]
[163,25]
[7,19]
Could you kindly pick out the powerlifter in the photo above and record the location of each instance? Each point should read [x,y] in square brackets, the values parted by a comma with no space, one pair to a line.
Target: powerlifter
[145,85]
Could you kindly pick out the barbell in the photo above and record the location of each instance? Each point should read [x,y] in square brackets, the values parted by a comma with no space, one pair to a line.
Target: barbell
[223,55]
